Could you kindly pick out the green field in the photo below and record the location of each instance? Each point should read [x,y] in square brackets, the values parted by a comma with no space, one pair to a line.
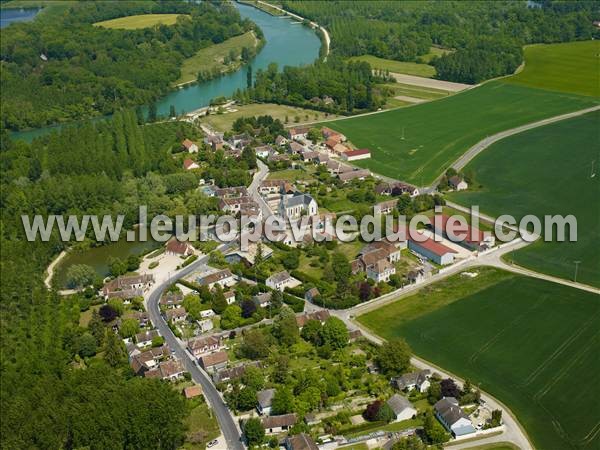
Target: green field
[547,65]
[293,114]
[409,68]
[530,343]
[437,133]
[211,57]
[139,21]
[547,171]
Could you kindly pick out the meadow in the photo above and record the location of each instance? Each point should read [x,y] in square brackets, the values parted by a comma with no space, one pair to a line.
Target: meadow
[530,343]
[211,57]
[546,171]
[418,143]
[139,21]
[547,64]
[409,68]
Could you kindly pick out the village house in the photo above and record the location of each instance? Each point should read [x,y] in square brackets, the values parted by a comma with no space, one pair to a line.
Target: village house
[249,255]
[140,316]
[418,380]
[224,278]
[141,362]
[189,146]
[462,233]
[328,133]
[281,280]
[215,141]
[264,401]
[355,155]
[385,207]
[403,409]
[199,346]
[204,326]
[322,158]
[192,391]
[296,148]
[237,205]
[300,441]
[381,271]
[208,312]
[281,141]
[322,315]
[354,335]
[339,149]
[309,156]
[167,370]
[176,315]
[377,259]
[189,164]
[396,189]
[311,294]
[239,141]
[144,338]
[231,192]
[229,297]
[176,247]
[278,424]
[294,206]
[262,300]
[278,157]
[298,133]
[127,287]
[273,187]
[233,373]
[457,183]
[452,417]
[432,250]
[214,361]
[359,174]
[264,151]
[171,299]
[336,167]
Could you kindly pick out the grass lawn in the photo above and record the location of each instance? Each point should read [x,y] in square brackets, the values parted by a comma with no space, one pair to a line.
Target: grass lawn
[139,21]
[202,427]
[211,57]
[547,173]
[86,316]
[437,133]
[434,51]
[411,90]
[522,339]
[408,68]
[569,67]
[292,175]
[223,122]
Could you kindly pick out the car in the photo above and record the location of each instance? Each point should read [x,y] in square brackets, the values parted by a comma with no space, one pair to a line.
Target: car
[212,443]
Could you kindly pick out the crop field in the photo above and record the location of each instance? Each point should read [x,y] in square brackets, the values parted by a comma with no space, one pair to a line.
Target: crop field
[206,59]
[139,21]
[409,68]
[530,343]
[416,144]
[569,67]
[547,171]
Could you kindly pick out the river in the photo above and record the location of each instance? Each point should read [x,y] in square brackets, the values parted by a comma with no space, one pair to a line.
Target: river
[8,16]
[287,43]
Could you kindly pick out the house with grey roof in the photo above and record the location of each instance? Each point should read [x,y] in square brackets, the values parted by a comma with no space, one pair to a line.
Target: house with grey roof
[415,380]
[278,424]
[294,206]
[281,280]
[452,417]
[300,441]
[264,400]
[403,409]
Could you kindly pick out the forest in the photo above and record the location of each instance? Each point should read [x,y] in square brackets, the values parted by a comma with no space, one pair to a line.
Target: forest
[64,68]
[333,86]
[405,31]
[52,396]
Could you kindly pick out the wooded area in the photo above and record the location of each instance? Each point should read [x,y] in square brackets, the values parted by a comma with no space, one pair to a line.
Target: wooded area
[487,36]
[65,68]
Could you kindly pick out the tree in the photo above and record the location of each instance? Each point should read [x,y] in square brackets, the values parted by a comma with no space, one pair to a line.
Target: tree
[409,443]
[311,332]
[283,401]
[246,399]
[285,328]
[393,357]
[86,345]
[108,313]
[97,328]
[193,306]
[172,112]
[249,77]
[231,317]
[434,392]
[80,275]
[129,328]
[372,411]
[253,378]
[341,267]
[115,353]
[254,345]
[219,304]
[496,420]
[117,305]
[116,266]
[449,388]
[152,112]
[385,413]
[433,430]
[254,431]
[314,135]
[335,333]
[281,370]
[157,341]
[248,308]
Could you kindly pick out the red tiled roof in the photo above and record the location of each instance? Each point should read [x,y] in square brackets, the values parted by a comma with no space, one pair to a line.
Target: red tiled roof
[433,246]
[462,230]
[363,151]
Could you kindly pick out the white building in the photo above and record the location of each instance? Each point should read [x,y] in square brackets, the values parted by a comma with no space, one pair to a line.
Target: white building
[452,417]
[293,207]
[403,409]
[281,280]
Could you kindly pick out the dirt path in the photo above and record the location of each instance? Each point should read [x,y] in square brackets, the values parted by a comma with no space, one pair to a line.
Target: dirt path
[430,82]
[51,268]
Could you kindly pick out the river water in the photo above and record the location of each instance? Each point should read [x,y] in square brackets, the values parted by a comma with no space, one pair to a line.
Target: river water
[8,16]
[287,43]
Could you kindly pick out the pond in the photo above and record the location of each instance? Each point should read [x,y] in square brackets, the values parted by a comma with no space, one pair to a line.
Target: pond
[8,16]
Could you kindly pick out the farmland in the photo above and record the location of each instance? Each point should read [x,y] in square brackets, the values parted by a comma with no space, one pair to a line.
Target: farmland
[548,172]
[523,340]
[139,21]
[418,143]
[569,67]
[410,68]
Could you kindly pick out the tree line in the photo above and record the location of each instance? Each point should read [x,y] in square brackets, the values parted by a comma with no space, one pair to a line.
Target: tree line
[67,68]
[485,37]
